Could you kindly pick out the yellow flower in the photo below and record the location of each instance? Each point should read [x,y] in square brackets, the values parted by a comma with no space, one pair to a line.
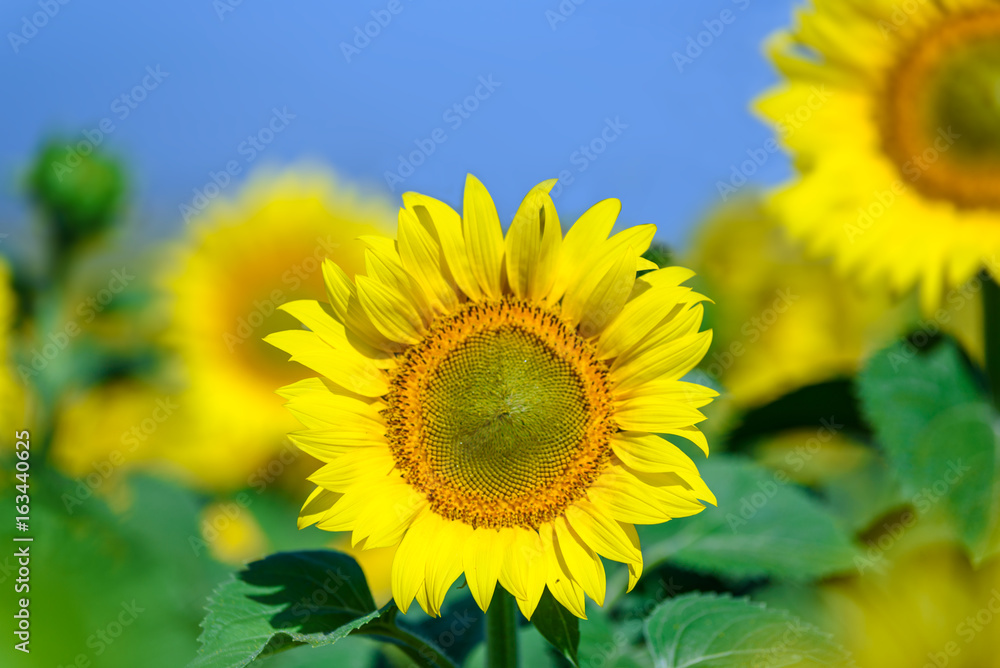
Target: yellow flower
[11,391]
[488,403]
[785,321]
[232,533]
[891,113]
[927,607]
[242,260]
[106,430]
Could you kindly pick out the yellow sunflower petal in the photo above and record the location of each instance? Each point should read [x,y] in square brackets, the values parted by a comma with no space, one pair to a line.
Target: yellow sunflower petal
[602,532]
[353,466]
[634,567]
[327,445]
[532,244]
[669,362]
[483,558]
[524,569]
[587,234]
[411,558]
[582,562]
[391,314]
[444,563]
[355,373]
[317,504]
[558,578]
[421,258]
[448,224]
[388,515]
[604,304]
[483,236]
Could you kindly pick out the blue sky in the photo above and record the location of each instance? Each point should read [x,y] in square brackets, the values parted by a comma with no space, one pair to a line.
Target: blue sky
[591,92]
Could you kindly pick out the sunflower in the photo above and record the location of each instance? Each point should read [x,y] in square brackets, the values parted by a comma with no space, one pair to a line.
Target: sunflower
[11,391]
[492,404]
[891,112]
[241,261]
[926,606]
[789,320]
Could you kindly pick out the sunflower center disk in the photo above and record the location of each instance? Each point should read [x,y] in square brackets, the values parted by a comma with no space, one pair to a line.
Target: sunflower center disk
[504,415]
[500,416]
[942,125]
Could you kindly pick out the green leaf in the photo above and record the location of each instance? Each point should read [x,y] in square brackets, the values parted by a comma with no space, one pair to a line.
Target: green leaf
[558,625]
[611,644]
[937,429]
[709,631]
[287,599]
[764,525]
[803,408]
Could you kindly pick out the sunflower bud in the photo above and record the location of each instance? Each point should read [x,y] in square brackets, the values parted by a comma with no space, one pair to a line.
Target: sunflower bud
[79,193]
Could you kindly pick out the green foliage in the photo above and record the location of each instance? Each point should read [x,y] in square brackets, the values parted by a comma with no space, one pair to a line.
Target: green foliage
[106,588]
[936,427]
[764,526]
[558,625]
[314,598]
[659,254]
[709,631]
[291,599]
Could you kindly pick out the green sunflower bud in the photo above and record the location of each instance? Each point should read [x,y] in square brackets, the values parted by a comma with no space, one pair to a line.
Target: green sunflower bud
[79,194]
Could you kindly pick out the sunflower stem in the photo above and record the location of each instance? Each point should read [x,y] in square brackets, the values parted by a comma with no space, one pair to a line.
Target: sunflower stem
[422,651]
[991,334]
[501,631]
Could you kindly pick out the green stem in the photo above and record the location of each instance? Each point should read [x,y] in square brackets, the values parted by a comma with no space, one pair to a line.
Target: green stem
[501,631]
[418,649]
[991,334]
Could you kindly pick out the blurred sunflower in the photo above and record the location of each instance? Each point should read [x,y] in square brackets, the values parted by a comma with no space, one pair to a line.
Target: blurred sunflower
[242,260]
[891,112]
[108,429]
[927,607]
[11,391]
[490,405]
[787,321]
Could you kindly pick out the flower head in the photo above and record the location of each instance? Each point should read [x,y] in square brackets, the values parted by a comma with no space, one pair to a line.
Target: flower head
[243,259]
[892,116]
[490,404]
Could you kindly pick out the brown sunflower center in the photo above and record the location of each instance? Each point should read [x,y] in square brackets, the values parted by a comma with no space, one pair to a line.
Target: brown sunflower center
[501,415]
[941,123]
